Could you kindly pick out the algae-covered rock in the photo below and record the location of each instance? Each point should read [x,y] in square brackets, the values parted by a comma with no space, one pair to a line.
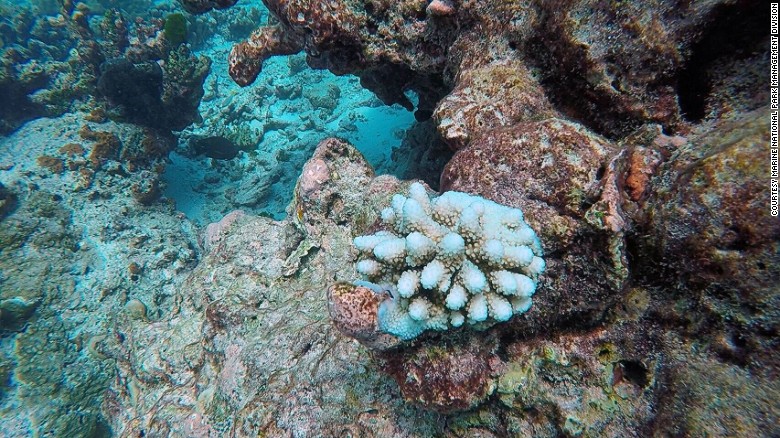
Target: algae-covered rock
[657,313]
[708,397]
[553,171]
[41,220]
[709,212]
[251,346]
[65,256]
[487,98]
[182,87]
[53,373]
[445,379]
[175,28]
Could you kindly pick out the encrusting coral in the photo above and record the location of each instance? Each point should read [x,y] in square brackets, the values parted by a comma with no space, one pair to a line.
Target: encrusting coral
[450,260]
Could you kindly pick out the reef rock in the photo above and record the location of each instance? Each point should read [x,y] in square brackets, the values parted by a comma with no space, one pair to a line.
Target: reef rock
[251,346]
[487,98]
[614,66]
[623,131]
[164,97]
[455,378]
[79,246]
[554,171]
[52,64]
[708,210]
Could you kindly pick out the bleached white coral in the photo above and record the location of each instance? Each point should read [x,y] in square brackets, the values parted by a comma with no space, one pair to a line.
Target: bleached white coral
[419,309]
[457,297]
[454,259]
[407,284]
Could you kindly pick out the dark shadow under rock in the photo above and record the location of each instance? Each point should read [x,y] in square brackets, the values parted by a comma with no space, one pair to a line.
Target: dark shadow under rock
[422,154]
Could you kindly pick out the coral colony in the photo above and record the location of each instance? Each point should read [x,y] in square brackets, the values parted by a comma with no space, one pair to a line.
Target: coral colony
[450,260]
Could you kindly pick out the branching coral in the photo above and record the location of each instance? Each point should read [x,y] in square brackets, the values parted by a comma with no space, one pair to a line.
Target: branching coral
[452,259]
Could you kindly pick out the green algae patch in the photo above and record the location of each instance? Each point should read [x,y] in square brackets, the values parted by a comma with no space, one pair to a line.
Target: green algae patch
[512,382]
[175,29]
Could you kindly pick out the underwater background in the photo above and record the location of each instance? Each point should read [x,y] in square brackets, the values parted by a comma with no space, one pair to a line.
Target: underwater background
[189,191]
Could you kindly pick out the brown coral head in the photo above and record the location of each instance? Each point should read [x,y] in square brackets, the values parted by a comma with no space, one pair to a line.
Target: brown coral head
[353,310]
[444,379]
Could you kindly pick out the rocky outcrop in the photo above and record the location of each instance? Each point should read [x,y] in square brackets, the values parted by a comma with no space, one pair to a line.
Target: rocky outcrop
[625,140]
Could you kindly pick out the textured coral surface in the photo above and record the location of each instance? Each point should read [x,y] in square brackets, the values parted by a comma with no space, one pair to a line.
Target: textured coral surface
[450,260]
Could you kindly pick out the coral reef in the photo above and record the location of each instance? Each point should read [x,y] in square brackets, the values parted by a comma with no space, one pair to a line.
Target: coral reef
[611,65]
[164,97]
[599,190]
[53,64]
[627,133]
[332,35]
[511,379]
[300,107]
[220,352]
[36,77]
[65,248]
